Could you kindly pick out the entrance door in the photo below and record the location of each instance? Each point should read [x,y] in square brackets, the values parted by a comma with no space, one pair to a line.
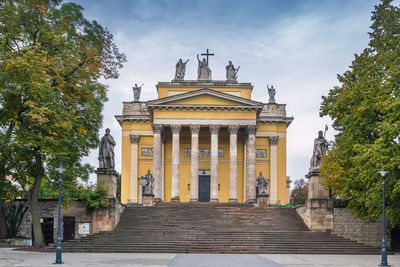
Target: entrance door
[204,188]
[48,230]
[69,228]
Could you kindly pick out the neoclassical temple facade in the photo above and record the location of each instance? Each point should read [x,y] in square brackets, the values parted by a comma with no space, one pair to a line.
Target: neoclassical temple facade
[204,141]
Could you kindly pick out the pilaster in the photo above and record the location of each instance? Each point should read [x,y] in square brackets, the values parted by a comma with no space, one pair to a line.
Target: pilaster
[273,148]
[133,192]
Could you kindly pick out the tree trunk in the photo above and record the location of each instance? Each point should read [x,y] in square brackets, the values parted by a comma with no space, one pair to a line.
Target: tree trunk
[37,237]
[3,226]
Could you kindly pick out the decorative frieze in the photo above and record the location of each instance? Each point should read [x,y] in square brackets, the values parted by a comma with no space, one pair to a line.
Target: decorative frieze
[147,152]
[203,152]
[261,153]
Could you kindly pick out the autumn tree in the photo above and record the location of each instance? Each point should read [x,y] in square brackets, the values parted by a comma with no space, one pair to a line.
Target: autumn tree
[51,60]
[299,193]
[365,109]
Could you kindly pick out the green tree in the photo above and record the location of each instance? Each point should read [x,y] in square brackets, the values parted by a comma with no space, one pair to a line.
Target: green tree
[365,109]
[299,193]
[51,60]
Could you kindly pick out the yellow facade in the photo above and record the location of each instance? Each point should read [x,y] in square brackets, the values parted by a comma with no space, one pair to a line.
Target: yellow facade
[202,104]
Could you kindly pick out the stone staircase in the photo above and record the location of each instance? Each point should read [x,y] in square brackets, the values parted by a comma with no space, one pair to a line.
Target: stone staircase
[214,228]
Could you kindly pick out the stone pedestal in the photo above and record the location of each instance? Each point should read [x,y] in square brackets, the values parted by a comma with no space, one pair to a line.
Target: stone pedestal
[148,200]
[318,212]
[262,201]
[108,177]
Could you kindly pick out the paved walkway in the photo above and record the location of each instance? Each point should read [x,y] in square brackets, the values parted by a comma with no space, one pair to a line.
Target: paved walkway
[9,257]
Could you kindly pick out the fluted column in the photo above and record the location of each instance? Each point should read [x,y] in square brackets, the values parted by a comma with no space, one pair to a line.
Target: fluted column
[194,164]
[251,163]
[233,130]
[157,161]
[214,130]
[133,192]
[273,148]
[175,162]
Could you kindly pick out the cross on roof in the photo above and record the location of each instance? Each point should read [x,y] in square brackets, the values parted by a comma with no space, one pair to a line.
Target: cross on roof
[207,54]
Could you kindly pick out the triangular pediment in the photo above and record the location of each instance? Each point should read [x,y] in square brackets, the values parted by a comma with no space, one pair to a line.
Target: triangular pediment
[204,97]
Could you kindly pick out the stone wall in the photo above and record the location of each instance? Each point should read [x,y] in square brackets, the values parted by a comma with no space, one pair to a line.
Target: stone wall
[101,220]
[346,225]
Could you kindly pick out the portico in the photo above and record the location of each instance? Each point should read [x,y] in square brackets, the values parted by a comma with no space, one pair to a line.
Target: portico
[196,130]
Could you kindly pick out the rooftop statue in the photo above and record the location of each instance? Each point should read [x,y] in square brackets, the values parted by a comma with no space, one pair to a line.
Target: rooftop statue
[180,69]
[203,72]
[319,150]
[106,151]
[136,92]
[271,93]
[262,185]
[231,72]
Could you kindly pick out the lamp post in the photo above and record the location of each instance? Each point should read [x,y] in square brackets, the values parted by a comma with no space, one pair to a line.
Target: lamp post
[58,249]
[383,251]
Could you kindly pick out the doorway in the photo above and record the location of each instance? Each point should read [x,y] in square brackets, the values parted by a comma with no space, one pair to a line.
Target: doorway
[69,228]
[204,188]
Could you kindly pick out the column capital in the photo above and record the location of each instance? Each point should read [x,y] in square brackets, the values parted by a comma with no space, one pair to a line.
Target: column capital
[157,128]
[214,129]
[233,129]
[195,129]
[252,129]
[273,140]
[176,128]
[134,139]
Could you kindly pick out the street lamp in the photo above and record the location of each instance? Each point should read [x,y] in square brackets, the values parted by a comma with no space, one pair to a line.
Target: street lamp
[383,251]
[58,249]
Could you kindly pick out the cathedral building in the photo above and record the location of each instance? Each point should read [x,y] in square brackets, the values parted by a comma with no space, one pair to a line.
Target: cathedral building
[204,140]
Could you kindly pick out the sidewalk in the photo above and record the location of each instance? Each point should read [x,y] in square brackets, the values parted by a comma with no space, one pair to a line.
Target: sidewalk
[9,257]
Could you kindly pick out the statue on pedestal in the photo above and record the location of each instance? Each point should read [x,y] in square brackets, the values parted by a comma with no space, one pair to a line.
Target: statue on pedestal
[319,150]
[148,187]
[180,69]
[231,72]
[271,93]
[262,185]
[203,72]
[136,92]
[106,151]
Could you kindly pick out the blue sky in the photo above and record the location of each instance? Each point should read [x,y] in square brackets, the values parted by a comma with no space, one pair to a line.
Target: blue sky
[297,46]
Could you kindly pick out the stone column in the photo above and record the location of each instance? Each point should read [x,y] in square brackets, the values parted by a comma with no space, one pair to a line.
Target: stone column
[214,130]
[175,162]
[133,193]
[233,130]
[273,169]
[157,161]
[194,166]
[245,183]
[251,163]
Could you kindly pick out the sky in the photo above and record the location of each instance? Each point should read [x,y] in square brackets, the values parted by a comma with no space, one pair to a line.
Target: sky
[298,46]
